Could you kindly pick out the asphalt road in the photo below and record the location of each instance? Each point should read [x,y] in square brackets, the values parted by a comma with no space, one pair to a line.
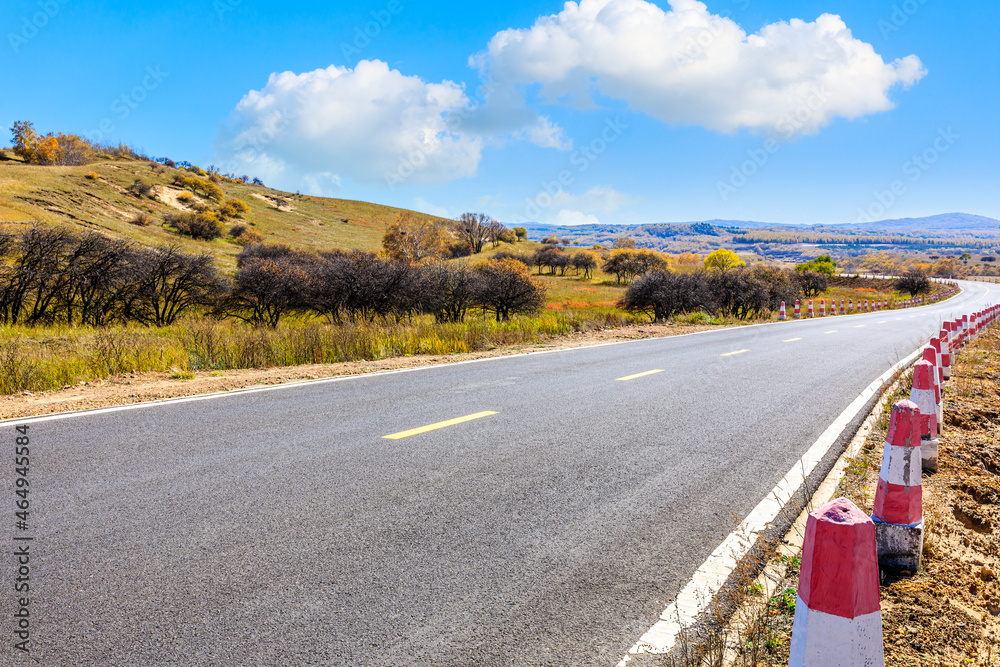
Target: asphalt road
[282,527]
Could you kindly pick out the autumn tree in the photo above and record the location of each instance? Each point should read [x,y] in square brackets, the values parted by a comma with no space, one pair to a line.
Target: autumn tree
[723,260]
[914,283]
[689,259]
[584,261]
[823,264]
[413,239]
[506,288]
[661,294]
[624,243]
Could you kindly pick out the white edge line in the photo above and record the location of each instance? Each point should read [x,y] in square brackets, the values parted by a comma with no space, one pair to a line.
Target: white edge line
[342,378]
[696,597]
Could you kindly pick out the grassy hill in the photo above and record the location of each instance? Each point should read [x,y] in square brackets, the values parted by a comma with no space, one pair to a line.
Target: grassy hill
[96,197]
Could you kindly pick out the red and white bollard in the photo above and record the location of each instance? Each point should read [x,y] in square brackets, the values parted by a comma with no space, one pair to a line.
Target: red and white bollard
[822,307]
[811,313]
[781,313]
[930,356]
[798,311]
[936,344]
[945,354]
[841,306]
[898,511]
[923,394]
[850,305]
[838,613]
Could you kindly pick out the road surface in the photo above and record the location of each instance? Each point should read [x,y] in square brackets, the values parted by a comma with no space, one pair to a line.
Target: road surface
[532,510]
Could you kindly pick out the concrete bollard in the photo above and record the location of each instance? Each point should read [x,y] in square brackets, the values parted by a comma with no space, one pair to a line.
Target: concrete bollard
[841,306]
[898,511]
[850,305]
[930,356]
[838,613]
[936,344]
[924,396]
[822,307]
[943,336]
[811,313]
[798,311]
[781,313]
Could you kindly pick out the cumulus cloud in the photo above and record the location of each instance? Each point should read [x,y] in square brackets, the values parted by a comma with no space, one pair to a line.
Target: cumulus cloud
[370,123]
[568,217]
[687,66]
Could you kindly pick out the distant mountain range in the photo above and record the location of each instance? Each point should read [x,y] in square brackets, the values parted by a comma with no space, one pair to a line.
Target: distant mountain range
[945,225]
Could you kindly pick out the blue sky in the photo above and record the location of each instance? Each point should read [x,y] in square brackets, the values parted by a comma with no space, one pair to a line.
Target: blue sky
[617,111]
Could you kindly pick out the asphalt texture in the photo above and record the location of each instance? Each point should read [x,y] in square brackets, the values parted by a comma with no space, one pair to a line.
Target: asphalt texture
[281,528]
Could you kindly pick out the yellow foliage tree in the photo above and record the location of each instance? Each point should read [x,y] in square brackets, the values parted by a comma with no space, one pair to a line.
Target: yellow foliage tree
[689,259]
[723,260]
[411,239]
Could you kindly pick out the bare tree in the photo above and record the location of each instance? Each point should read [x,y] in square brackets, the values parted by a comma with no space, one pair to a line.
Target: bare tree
[506,287]
[474,229]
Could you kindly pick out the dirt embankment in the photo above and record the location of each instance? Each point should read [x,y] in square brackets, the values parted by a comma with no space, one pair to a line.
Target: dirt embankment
[143,387]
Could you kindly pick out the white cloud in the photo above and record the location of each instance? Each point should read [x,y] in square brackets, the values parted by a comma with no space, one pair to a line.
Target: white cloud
[687,66]
[568,217]
[424,206]
[363,123]
[601,198]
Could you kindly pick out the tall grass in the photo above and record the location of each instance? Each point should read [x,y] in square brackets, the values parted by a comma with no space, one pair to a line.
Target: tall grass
[43,358]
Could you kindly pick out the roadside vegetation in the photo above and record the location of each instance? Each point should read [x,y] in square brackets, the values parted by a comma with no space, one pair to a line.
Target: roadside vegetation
[113,262]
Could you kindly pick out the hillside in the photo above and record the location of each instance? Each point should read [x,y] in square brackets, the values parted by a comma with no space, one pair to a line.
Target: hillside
[67,196]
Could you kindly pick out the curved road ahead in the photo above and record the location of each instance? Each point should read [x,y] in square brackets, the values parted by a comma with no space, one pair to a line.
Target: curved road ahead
[281,527]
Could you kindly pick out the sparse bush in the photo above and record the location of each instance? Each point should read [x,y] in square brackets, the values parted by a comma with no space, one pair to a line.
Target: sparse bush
[459,249]
[140,188]
[524,259]
[812,283]
[142,219]
[185,197]
[506,288]
[661,294]
[233,208]
[245,236]
[203,226]
[91,176]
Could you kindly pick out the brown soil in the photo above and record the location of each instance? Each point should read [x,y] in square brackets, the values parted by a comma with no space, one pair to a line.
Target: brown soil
[169,196]
[145,387]
[276,202]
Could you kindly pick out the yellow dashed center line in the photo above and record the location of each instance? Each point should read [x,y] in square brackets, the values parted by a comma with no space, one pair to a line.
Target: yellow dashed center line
[791,340]
[733,354]
[639,375]
[860,326]
[434,427]
[882,322]
[829,332]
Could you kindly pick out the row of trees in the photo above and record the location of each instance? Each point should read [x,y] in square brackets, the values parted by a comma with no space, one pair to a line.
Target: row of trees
[273,280]
[742,292]
[50,275]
